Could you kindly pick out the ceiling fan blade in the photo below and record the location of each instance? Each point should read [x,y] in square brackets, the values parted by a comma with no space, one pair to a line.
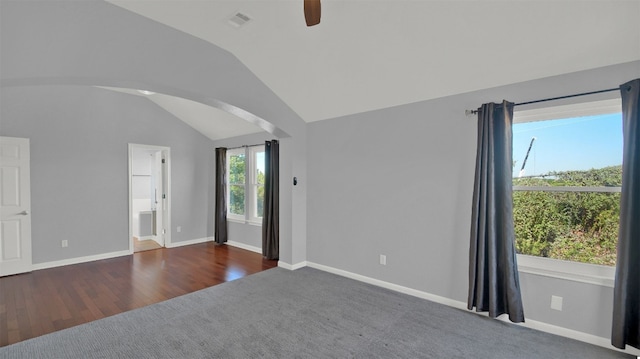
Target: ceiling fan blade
[312,12]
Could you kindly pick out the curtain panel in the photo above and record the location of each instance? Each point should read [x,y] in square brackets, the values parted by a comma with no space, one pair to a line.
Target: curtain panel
[493,274]
[626,301]
[220,235]
[271,215]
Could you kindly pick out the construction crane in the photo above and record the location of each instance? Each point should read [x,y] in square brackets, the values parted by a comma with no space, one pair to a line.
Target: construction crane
[525,158]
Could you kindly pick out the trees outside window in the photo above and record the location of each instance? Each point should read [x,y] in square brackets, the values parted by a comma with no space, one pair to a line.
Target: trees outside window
[566,199]
[236,183]
[245,169]
[570,215]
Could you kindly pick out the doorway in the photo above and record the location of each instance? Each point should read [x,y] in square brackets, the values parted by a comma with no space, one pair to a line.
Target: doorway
[149,197]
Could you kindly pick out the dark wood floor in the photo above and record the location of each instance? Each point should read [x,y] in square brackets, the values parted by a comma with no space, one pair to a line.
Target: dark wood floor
[48,300]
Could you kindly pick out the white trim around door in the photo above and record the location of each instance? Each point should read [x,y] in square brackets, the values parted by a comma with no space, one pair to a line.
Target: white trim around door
[162,195]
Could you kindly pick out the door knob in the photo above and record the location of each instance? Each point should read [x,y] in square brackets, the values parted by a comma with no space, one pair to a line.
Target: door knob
[24,213]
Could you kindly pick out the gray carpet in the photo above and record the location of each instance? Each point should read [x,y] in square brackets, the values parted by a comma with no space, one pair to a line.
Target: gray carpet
[300,314]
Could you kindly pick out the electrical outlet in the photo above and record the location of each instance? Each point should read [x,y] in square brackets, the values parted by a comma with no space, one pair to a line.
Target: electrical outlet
[383,259]
[64,243]
[556,303]
[179,229]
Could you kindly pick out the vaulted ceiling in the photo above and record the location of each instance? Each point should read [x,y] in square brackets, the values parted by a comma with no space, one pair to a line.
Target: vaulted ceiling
[367,55]
[209,121]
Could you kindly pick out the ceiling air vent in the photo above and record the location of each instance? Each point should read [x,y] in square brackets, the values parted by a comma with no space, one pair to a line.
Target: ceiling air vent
[239,19]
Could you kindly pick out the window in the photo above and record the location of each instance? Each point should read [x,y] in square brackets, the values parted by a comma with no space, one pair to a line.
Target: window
[245,184]
[236,168]
[567,173]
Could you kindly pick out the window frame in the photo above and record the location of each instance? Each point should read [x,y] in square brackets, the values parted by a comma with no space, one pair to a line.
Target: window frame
[556,268]
[234,216]
[252,203]
[250,185]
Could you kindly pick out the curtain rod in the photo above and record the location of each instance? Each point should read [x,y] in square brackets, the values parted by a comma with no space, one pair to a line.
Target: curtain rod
[233,148]
[473,112]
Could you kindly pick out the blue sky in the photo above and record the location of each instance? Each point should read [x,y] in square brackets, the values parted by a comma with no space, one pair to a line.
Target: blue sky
[260,161]
[569,144]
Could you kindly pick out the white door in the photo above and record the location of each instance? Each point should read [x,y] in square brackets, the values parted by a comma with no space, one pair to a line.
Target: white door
[15,204]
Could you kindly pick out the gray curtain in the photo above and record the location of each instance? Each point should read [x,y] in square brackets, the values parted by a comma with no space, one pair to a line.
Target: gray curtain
[220,234]
[626,301]
[271,215]
[493,273]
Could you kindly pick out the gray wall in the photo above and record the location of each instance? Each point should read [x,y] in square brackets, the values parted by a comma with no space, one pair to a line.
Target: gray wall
[395,181]
[79,166]
[398,182]
[96,43]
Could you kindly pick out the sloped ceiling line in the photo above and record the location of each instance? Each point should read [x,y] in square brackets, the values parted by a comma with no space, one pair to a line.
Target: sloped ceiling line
[370,55]
[131,87]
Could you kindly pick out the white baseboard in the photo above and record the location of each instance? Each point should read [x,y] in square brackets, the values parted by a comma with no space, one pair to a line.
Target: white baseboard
[388,285]
[574,334]
[533,324]
[244,246]
[66,262]
[97,257]
[189,242]
[288,266]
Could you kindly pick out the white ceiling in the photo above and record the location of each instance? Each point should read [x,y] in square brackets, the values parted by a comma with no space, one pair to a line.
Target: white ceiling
[367,55]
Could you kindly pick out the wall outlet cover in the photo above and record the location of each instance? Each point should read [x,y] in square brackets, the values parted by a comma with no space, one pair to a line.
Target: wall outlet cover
[556,303]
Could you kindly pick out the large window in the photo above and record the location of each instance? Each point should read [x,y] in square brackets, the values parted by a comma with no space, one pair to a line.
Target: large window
[567,174]
[245,185]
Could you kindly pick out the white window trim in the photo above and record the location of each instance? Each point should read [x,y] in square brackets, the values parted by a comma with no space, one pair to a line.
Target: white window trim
[582,109]
[574,271]
[231,216]
[252,185]
[250,194]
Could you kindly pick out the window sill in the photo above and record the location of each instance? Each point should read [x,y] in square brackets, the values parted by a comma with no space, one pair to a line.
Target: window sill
[243,221]
[574,271]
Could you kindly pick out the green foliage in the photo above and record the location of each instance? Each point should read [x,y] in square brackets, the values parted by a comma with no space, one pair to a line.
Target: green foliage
[607,176]
[237,182]
[575,226]
[260,196]
[237,165]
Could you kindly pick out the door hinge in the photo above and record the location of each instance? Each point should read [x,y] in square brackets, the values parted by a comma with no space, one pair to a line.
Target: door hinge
[163,160]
